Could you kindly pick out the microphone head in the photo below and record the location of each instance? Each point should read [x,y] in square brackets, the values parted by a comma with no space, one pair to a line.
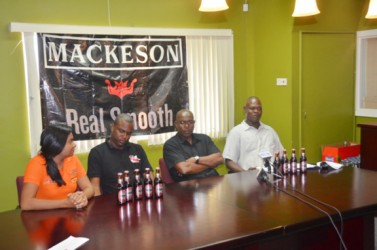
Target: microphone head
[265,154]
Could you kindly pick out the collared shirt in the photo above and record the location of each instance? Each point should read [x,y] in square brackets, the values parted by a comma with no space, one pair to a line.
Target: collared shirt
[245,142]
[178,149]
[105,161]
[36,172]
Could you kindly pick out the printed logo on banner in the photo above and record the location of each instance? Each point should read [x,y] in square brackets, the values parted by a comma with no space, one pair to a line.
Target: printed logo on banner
[120,89]
[87,80]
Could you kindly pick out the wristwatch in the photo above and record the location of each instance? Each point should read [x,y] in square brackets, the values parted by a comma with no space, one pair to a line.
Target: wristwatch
[196,159]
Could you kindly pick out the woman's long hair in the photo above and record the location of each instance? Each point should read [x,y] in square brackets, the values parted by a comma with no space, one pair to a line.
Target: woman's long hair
[53,140]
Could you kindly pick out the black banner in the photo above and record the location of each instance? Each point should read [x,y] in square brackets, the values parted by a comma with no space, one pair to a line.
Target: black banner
[87,80]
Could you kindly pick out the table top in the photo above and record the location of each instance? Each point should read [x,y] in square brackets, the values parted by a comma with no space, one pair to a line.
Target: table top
[368,124]
[218,211]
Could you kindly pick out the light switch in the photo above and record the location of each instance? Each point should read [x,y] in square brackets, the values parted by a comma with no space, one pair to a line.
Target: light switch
[245,7]
[281,81]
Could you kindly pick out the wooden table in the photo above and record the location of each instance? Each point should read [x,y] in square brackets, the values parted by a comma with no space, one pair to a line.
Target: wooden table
[232,211]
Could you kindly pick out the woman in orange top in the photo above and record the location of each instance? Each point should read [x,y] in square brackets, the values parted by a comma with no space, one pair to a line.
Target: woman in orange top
[52,177]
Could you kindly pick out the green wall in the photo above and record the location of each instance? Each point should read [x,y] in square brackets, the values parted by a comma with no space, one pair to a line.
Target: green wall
[265,46]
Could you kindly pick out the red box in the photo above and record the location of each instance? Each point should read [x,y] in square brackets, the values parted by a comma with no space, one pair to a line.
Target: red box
[340,151]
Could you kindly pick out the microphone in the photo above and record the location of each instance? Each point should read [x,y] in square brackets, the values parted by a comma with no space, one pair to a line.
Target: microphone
[266,156]
[262,174]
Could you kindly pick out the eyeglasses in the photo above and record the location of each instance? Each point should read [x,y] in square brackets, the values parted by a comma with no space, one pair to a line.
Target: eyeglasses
[183,123]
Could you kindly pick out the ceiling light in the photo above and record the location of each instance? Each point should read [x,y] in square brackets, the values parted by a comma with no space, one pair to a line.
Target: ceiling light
[305,8]
[372,10]
[213,5]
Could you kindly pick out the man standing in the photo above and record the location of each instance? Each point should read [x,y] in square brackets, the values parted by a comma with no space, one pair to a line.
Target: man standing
[115,155]
[247,140]
[189,155]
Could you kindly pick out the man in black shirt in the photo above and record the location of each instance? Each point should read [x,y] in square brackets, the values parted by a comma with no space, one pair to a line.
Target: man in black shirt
[189,155]
[115,155]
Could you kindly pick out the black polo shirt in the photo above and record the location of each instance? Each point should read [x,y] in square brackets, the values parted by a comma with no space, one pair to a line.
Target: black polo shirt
[106,161]
[177,149]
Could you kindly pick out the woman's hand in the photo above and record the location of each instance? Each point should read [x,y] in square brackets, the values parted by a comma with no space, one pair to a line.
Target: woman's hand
[78,199]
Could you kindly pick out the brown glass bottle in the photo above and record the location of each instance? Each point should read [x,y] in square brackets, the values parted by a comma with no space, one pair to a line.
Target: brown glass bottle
[127,186]
[303,161]
[138,186]
[120,190]
[148,184]
[293,162]
[276,163]
[286,169]
[158,185]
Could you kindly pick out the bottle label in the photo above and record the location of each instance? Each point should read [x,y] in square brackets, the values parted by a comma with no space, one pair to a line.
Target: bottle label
[148,190]
[285,168]
[159,190]
[129,194]
[303,166]
[294,167]
[121,196]
[139,191]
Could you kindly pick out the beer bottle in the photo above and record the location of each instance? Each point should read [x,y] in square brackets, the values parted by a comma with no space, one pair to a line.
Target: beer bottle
[293,162]
[138,185]
[276,163]
[158,184]
[285,163]
[120,190]
[148,184]
[303,161]
[127,186]
[280,166]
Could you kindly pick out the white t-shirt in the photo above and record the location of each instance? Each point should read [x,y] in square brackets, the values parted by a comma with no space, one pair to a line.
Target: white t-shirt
[244,143]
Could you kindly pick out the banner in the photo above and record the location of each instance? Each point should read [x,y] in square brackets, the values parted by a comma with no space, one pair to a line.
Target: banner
[87,80]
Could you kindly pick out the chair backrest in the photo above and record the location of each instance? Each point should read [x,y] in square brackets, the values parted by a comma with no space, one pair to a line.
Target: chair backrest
[165,175]
[19,185]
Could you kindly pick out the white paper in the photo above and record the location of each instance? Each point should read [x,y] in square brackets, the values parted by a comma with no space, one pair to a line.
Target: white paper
[334,165]
[70,243]
[308,165]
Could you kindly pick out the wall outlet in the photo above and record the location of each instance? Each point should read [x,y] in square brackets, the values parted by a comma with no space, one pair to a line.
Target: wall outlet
[281,81]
